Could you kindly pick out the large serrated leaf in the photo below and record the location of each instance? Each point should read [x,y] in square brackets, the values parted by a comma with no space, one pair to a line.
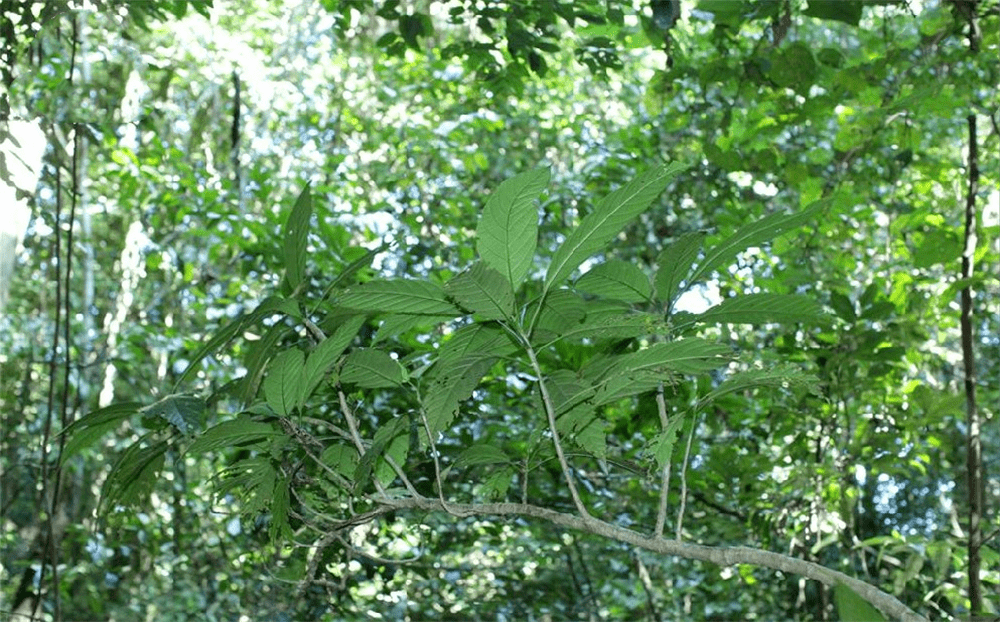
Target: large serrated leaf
[484,291]
[661,446]
[674,264]
[239,431]
[688,356]
[296,234]
[481,454]
[762,308]
[283,385]
[403,296]
[87,429]
[780,376]
[753,234]
[508,229]
[133,477]
[386,438]
[616,279]
[372,369]
[184,412]
[325,354]
[474,341]
[454,384]
[598,228]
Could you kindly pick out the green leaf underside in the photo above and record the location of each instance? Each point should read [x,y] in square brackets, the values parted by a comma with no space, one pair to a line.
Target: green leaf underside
[780,376]
[326,353]
[296,235]
[86,430]
[484,291]
[184,412]
[610,216]
[752,234]
[481,454]
[240,431]
[284,383]
[508,229]
[689,356]
[674,264]
[455,383]
[372,369]
[853,608]
[403,296]
[616,279]
[761,308]
[476,340]
[661,446]
[134,475]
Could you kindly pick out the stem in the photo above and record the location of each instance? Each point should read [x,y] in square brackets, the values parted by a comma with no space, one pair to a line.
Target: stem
[551,415]
[661,514]
[684,489]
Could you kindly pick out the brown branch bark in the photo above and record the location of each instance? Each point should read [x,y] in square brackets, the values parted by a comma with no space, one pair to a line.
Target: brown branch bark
[723,556]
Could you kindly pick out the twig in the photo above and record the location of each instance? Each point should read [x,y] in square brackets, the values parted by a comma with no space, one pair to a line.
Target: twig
[550,413]
[661,515]
[684,490]
[437,465]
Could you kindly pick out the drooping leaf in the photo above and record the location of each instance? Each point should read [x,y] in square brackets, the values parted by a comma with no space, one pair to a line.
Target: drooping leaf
[401,296]
[562,310]
[267,307]
[372,369]
[283,385]
[780,376]
[674,264]
[279,529]
[689,356]
[481,454]
[508,229]
[88,429]
[396,428]
[762,308]
[483,291]
[259,353]
[295,234]
[341,458]
[598,228]
[453,385]
[184,412]
[133,477]
[325,354]
[618,386]
[661,446]
[470,342]
[853,608]
[616,279]
[752,234]
[240,431]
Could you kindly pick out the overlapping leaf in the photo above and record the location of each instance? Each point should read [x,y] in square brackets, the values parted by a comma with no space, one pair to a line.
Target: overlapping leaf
[761,308]
[401,296]
[610,216]
[616,279]
[674,264]
[483,291]
[372,369]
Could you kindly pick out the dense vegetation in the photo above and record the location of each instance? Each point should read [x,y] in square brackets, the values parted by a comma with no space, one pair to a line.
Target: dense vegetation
[498,311]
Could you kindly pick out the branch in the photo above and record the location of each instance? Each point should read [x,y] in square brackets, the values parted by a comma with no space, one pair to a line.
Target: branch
[661,514]
[722,556]
[550,412]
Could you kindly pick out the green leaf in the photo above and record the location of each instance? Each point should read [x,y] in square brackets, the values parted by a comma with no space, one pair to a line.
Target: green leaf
[853,608]
[481,454]
[407,297]
[259,353]
[473,341]
[325,354]
[763,308]
[674,264]
[283,386]
[372,369]
[267,307]
[455,384]
[508,229]
[598,228]
[562,310]
[661,446]
[296,234]
[184,412]
[87,429]
[483,291]
[753,234]
[847,11]
[616,279]
[780,376]
[240,431]
[615,327]
[341,458]
[688,356]
[132,478]
[385,438]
